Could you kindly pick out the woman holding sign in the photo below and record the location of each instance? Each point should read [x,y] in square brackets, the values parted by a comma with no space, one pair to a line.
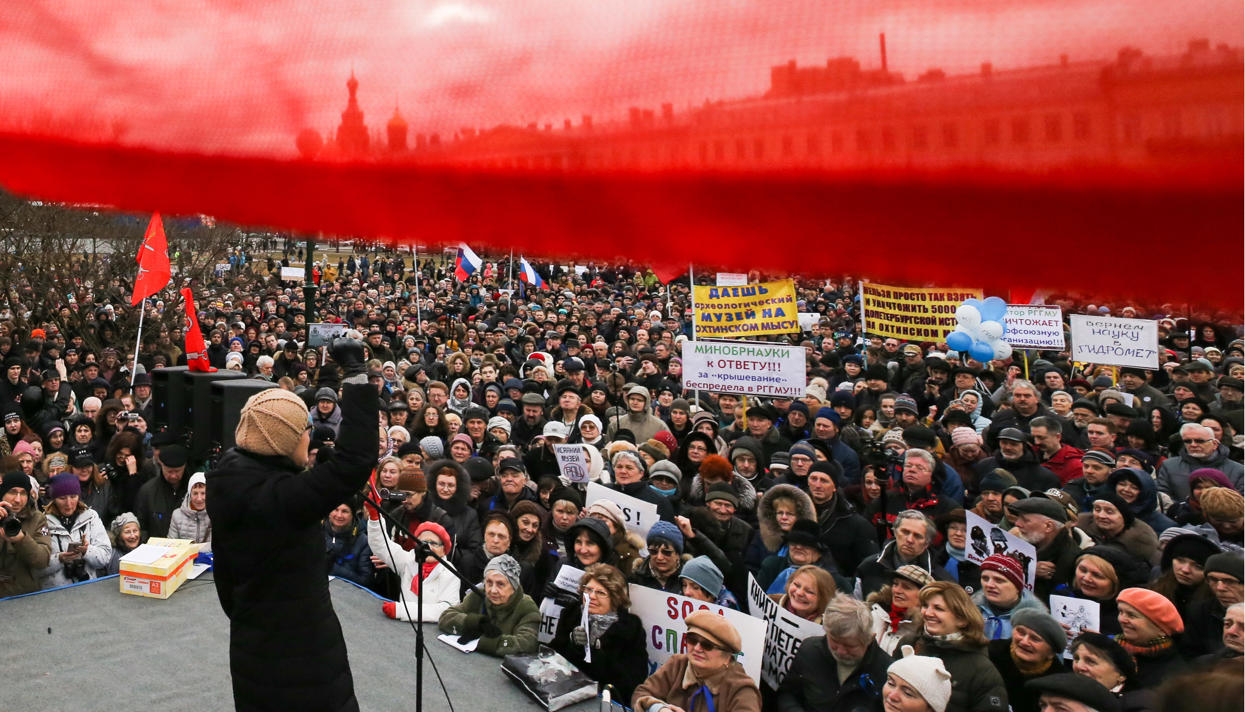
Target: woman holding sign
[706,678]
[614,636]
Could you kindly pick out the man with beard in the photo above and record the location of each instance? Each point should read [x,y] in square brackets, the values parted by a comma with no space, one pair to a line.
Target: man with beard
[1041,522]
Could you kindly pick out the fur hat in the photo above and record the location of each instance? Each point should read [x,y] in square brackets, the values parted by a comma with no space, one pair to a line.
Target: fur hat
[715,468]
[928,675]
[654,449]
[508,567]
[272,422]
[715,628]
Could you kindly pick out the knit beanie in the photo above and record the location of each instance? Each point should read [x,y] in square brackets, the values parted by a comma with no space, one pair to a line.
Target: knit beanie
[667,532]
[1222,504]
[1153,605]
[326,393]
[721,490]
[667,469]
[1226,563]
[272,422]
[1041,622]
[665,437]
[997,480]
[446,540]
[119,523]
[702,572]
[566,493]
[411,482]
[1118,502]
[1192,546]
[478,468]
[508,567]
[894,435]
[928,675]
[498,422]
[63,485]
[965,436]
[432,445]
[1008,568]
[715,468]
[23,447]
[906,403]
[830,414]
[802,448]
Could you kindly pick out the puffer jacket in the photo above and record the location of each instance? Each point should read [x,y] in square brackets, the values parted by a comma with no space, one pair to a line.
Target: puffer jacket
[347,554]
[976,685]
[768,539]
[999,624]
[440,589]
[187,523]
[1146,508]
[98,547]
[518,619]
[21,563]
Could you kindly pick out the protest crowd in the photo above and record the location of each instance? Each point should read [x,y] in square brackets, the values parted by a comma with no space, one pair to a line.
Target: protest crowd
[857,508]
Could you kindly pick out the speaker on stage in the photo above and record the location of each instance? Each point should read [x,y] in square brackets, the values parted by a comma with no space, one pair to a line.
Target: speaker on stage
[168,400]
[197,427]
[228,397]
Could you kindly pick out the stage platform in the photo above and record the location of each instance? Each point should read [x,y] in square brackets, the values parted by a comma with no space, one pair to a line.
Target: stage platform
[89,647]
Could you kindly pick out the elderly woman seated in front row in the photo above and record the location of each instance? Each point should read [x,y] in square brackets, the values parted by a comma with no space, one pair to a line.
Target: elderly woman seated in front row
[505,620]
[707,677]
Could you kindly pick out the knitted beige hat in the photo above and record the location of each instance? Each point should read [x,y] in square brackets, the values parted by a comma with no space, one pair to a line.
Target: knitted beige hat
[272,422]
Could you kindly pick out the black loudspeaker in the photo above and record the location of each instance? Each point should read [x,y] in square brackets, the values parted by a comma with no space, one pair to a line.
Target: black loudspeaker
[228,397]
[168,400]
[198,424]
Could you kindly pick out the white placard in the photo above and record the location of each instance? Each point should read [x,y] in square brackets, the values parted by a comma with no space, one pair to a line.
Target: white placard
[784,632]
[742,367]
[985,539]
[732,279]
[808,320]
[453,642]
[583,623]
[323,334]
[1031,326]
[638,514]
[1077,615]
[663,617]
[572,461]
[1115,341]
[550,612]
[292,274]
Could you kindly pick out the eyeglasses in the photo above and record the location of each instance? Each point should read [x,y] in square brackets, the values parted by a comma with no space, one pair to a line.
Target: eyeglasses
[662,551]
[595,592]
[434,543]
[693,640]
[1195,441]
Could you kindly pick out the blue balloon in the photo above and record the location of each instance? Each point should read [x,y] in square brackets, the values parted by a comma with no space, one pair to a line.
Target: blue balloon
[959,341]
[981,351]
[973,302]
[993,309]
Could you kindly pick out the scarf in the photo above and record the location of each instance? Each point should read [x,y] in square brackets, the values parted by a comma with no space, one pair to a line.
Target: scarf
[1150,648]
[427,566]
[957,554]
[1029,669]
[898,617]
[598,623]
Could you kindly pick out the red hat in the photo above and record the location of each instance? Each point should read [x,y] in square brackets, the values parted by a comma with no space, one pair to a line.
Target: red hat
[38,334]
[1155,606]
[1007,567]
[435,529]
[665,437]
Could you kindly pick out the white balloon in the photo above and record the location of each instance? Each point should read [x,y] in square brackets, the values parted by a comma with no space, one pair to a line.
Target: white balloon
[1002,350]
[991,330]
[968,317]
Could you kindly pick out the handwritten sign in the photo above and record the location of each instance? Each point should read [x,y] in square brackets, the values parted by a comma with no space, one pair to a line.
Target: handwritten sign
[1115,341]
[572,461]
[910,313]
[985,539]
[292,274]
[749,310]
[739,367]
[784,632]
[639,515]
[664,615]
[1032,326]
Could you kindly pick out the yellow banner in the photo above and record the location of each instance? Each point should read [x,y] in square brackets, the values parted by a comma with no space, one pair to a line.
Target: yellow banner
[911,314]
[748,310]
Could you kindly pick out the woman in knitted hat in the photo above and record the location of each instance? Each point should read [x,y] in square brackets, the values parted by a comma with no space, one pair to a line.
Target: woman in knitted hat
[440,587]
[1102,659]
[702,580]
[1150,627]
[954,631]
[1002,595]
[615,636]
[81,549]
[1189,511]
[1112,522]
[705,678]
[126,536]
[268,548]
[660,569]
[504,619]
[1032,651]
[916,683]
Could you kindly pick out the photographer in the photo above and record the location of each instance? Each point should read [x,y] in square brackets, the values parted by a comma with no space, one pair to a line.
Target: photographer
[24,548]
[81,550]
[269,550]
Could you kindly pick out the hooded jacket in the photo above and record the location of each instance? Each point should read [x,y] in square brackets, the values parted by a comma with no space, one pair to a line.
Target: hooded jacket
[468,538]
[458,405]
[1173,474]
[768,539]
[743,489]
[86,522]
[347,552]
[1138,539]
[1146,508]
[643,425]
[190,524]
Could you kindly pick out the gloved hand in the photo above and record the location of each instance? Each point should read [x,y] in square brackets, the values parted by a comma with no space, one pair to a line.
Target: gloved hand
[372,512]
[579,636]
[566,599]
[348,353]
[471,627]
[489,629]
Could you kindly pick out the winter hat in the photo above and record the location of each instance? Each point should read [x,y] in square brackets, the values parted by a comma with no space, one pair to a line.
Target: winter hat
[1116,501]
[997,480]
[478,468]
[842,399]
[1079,688]
[906,403]
[798,407]
[715,468]
[272,422]
[64,485]
[432,445]
[1008,568]
[1041,622]
[1105,644]
[665,437]
[814,390]
[802,448]
[634,457]
[928,675]
[508,567]
[590,418]
[1102,456]
[702,572]
[965,436]
[610,511]
[498,422]
[1226,563]
[804,532]
[1153,605]
[915,574]
[555,429]
[654,449]
[715,628]
[598,530]
[119,523]
[413,483]
[1222,504]
[1189,546]
[446,540]
[829,414]
[667,532]
[327,394]
[893,436]
[721,490]
[1209,473]
[23,447]
[667,469]
[569,494]
[13,480]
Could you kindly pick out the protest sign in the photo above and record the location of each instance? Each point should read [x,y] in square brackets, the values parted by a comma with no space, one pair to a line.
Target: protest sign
[732,279]
[808,320]
[985,539]
[1076,615]
[1115,341]
[784,632]
[550,612]
[292,274]
[323,334]
[912,314]
[639,515]
[739,367]
[663,616]
[749,310]
[1031,326]
[572,461]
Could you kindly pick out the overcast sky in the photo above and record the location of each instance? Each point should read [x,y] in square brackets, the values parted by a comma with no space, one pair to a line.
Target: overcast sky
[245,76]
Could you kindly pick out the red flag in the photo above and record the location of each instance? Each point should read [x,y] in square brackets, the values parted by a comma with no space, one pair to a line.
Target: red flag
[665,273]
[154,271]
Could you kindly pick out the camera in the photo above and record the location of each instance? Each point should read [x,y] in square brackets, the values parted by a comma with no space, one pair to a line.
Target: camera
[12,525]
[387,495]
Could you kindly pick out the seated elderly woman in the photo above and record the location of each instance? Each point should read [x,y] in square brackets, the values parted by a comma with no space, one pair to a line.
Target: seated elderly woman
[614,634]
[440,587]
[504,619]
[839,670]
[704,679]
[916,683]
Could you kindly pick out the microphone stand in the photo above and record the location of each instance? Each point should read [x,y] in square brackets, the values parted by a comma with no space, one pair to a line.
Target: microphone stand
[422,551]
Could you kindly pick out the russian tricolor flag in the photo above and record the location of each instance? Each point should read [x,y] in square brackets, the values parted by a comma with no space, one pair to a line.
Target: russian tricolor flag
[466,263]
[528,274]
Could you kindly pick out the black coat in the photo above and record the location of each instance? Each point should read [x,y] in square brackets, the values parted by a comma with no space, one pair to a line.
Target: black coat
[619,657]
[812,682]
[285,644]
[848,536]
[1019,697]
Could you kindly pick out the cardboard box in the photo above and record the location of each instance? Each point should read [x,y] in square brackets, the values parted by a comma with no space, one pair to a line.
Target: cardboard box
[157,568]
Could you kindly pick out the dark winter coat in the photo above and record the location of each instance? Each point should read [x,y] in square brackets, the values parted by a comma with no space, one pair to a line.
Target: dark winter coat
[269,566]
[644,576]
[1028,472]
[156,502]
[878,571]
[1146,508]
[619,656]
[21,563]
[347,553]
[768,538]
[468,544]
[812,685]
[1019,697]
[845,534]
[724,544]
[976,686]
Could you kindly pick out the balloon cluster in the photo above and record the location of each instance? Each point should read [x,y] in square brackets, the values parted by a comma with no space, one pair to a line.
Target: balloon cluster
[980,329]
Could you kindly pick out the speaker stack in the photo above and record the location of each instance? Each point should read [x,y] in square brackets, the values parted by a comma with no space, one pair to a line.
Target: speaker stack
[227,400]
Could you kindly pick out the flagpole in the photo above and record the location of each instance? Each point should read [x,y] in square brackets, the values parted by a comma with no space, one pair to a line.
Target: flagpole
[691,290]
[510,279]
[137,342]
[415,265]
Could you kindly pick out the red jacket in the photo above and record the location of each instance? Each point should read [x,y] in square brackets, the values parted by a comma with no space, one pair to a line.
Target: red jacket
[1066,464]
